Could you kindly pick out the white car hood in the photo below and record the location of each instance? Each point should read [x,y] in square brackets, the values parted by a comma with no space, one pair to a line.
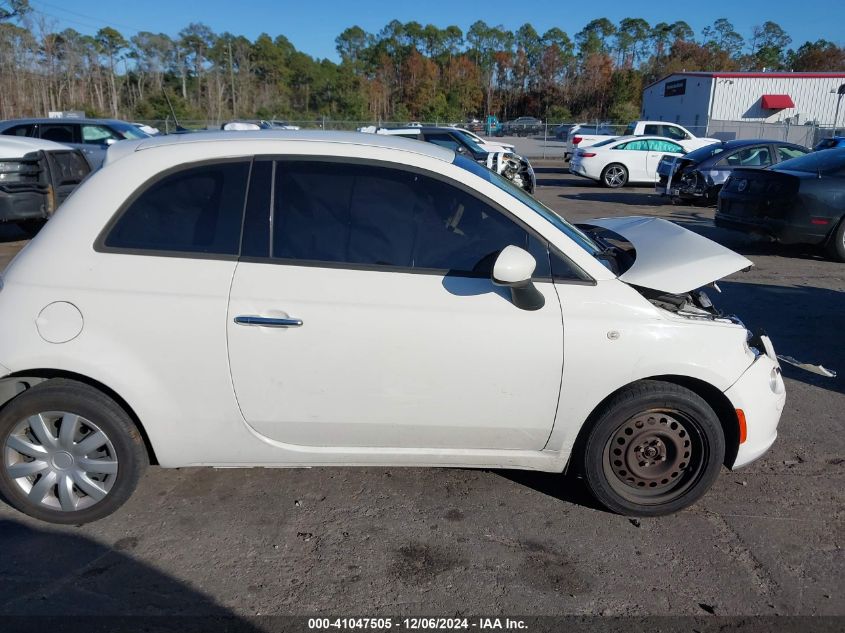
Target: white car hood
[671,258]
[20,146]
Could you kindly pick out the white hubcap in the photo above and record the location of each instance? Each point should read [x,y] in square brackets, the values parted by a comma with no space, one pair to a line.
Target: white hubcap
[60,460]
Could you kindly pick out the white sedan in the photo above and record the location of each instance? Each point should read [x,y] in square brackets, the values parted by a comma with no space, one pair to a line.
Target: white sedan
[304,299]
[618,161]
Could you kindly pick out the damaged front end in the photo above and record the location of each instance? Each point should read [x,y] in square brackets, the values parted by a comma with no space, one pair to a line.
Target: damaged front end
[679,179]
[513,167]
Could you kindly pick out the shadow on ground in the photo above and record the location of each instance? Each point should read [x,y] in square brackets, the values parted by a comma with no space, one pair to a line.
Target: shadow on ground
[802,321]
[46,574]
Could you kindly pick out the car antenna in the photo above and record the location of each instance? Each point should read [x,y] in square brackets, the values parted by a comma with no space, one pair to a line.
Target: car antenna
[179,128]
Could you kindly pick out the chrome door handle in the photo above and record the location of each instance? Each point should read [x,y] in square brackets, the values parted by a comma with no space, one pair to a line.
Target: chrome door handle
[267,321]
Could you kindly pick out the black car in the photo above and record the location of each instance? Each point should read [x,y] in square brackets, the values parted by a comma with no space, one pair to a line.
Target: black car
[523,126]
[797,201]
[700,174]
[511,166]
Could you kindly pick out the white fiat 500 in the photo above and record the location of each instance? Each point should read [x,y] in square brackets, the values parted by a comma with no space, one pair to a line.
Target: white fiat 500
[313,299]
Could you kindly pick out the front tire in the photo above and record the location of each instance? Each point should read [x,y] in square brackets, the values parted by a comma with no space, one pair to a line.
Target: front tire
[654,449]
[70,454]
[614,176]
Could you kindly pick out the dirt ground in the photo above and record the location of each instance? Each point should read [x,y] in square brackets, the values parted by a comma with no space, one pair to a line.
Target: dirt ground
[766,540]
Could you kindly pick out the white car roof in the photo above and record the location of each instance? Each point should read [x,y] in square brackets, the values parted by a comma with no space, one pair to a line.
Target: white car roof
[622,139]
[20,146]
[263,136]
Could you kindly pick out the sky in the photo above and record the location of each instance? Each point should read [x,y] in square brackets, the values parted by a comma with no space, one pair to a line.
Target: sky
[313,26]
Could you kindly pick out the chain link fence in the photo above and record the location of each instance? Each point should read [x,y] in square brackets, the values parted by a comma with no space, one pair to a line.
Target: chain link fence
[548,140]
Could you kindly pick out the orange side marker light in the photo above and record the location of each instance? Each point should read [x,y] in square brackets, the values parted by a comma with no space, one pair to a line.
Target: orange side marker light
[743,429]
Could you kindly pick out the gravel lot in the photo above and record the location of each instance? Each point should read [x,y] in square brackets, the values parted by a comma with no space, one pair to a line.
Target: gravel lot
[767,540]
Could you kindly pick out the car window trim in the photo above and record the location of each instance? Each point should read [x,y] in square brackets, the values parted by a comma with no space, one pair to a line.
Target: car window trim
[100,241]
[403,269]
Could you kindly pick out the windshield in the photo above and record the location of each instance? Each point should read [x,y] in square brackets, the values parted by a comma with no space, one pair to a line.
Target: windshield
[129,131]
[474,147]
[578,236]
[708,151]
[828,162]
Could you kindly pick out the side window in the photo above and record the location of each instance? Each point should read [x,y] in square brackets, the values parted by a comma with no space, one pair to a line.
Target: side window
[640,146]
[20,130]
[362,214]
[444,140]
[653,130]
[785,152]
[194,210]
[59,133]
[664,146]
[670,131]
[97,134]
[749,157]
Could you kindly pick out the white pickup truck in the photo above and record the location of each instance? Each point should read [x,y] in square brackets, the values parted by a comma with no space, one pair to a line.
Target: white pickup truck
[582,136]
[677,133]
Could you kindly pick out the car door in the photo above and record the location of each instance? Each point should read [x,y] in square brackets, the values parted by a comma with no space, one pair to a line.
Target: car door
[385,329]
[634,156]
[657,149]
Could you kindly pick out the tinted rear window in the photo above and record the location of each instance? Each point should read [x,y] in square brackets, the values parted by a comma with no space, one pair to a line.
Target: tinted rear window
[830,162]
[195,210]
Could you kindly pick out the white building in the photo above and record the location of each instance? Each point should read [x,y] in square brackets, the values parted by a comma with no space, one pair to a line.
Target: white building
[738,103]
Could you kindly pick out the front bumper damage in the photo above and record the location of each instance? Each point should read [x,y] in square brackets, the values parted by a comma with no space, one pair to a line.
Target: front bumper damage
[760,394]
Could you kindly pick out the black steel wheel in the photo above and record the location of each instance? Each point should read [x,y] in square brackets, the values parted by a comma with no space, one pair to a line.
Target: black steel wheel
[654,449]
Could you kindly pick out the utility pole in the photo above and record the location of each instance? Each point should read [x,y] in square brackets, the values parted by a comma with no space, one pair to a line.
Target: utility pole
[232,82]
[839,93]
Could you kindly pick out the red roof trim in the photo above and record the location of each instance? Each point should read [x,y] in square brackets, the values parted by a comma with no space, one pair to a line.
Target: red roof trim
[777,102]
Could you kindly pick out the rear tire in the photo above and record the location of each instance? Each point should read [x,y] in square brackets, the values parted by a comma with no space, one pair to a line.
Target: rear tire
[836,244]
[69,454]
[614,176]
[654,449]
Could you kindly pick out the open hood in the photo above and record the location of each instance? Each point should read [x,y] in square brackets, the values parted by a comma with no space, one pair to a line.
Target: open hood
[670,258]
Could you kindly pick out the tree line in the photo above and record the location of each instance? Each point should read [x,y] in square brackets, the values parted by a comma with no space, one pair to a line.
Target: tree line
[406,71]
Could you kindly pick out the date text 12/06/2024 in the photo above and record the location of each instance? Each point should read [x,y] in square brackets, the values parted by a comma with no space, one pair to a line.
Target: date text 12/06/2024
[416,624]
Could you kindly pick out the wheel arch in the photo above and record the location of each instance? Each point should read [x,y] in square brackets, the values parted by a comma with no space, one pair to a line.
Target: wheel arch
[19,381]
[713,396]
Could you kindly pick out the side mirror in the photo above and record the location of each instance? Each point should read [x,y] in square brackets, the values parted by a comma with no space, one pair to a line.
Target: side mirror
[110,141]
[460,149]
[513,269]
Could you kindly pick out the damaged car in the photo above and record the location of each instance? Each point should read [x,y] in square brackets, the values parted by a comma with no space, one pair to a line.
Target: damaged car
[351,299]
[35,178]
[501,160]
[699,175]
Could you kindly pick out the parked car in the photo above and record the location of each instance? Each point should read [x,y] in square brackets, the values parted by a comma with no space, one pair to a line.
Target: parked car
[677,133]
[487,144]
[147,129]
[830,143]
[523,126]
[801,200]
[35,178]
[700,174]
[508,164]
[91,136]
[310,298]
[583,135]
[615,162]
[474,125]
[561,132]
